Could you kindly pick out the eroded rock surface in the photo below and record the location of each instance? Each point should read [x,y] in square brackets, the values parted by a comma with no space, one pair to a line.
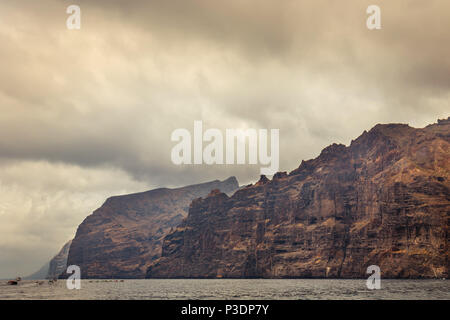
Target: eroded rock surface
[123,236]
[383,200]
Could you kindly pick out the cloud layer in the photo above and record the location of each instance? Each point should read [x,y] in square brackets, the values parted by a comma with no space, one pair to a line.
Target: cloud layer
[88,113]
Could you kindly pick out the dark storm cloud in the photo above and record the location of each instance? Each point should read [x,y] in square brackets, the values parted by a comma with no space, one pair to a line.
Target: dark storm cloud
[261,62]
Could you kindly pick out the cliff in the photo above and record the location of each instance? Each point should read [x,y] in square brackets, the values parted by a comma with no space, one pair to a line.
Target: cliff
[55,267]
[58,265]
[123,236]
[40,274]
[384,200]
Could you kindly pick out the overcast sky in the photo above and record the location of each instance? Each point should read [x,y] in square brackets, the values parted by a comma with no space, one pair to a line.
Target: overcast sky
[86,114]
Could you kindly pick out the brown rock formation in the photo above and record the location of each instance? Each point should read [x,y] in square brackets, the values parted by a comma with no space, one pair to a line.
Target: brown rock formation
[58,265]
[383,200]
[123,236]
[55,267]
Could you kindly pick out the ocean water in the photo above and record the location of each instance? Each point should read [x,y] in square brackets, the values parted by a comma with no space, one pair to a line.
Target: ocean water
[254,289]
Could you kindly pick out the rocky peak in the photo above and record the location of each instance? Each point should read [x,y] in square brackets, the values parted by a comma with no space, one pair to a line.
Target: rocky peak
[262,180]
[279,176]
[443,122]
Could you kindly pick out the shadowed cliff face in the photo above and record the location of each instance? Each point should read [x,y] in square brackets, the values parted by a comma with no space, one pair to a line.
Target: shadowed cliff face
[383,200]
[123,236]
[55,267]
[58,265]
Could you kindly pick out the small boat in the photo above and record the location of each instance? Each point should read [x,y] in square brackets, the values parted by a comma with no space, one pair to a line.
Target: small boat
[12,283]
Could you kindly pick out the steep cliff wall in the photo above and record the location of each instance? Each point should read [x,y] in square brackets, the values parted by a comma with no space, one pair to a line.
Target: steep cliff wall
[123,236]
[55,267]
[58,265]
[383,200]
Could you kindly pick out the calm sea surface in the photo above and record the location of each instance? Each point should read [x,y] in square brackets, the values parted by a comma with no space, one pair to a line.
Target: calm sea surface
[230,289]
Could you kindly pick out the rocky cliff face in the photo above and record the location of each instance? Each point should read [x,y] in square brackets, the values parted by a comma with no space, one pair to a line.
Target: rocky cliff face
[55,267]
[384,200]
[123,236]
[58,265]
